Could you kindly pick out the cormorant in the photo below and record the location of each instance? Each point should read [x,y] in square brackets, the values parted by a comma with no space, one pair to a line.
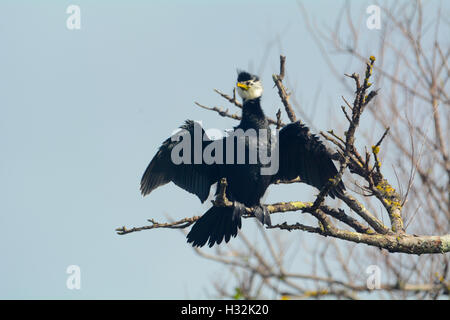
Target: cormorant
[301,153]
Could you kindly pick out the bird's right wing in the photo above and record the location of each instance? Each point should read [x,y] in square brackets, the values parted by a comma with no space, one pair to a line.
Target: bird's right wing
[192,177]
[303,154]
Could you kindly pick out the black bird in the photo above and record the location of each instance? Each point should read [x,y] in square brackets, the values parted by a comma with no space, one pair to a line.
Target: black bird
[301,153]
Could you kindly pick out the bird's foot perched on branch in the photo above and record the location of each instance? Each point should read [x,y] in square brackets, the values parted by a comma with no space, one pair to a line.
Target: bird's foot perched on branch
[221,197]
[262,213]
[239,209]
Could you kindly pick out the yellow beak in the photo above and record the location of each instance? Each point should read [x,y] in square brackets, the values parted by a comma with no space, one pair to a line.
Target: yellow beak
[243,86]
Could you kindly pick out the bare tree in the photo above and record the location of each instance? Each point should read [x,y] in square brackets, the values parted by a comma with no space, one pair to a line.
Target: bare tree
[411,184]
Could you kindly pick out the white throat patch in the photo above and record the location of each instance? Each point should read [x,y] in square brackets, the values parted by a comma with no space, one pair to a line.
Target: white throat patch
[254,90]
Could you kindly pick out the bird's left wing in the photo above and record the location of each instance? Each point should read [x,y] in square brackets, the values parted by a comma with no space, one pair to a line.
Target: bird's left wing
[301,153]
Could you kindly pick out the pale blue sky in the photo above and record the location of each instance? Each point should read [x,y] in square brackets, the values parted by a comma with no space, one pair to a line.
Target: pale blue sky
[84,111]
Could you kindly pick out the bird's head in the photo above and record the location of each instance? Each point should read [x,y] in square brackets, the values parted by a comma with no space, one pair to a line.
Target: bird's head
[249,86]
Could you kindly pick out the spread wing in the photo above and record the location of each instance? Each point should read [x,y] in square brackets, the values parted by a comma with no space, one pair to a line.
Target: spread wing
[303,154]
[192,177]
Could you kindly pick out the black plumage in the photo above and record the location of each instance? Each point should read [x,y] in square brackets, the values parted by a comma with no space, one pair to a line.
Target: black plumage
[193,177]
[301,153]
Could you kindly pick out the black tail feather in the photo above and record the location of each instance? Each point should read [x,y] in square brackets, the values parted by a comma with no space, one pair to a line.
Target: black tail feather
[216,225]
